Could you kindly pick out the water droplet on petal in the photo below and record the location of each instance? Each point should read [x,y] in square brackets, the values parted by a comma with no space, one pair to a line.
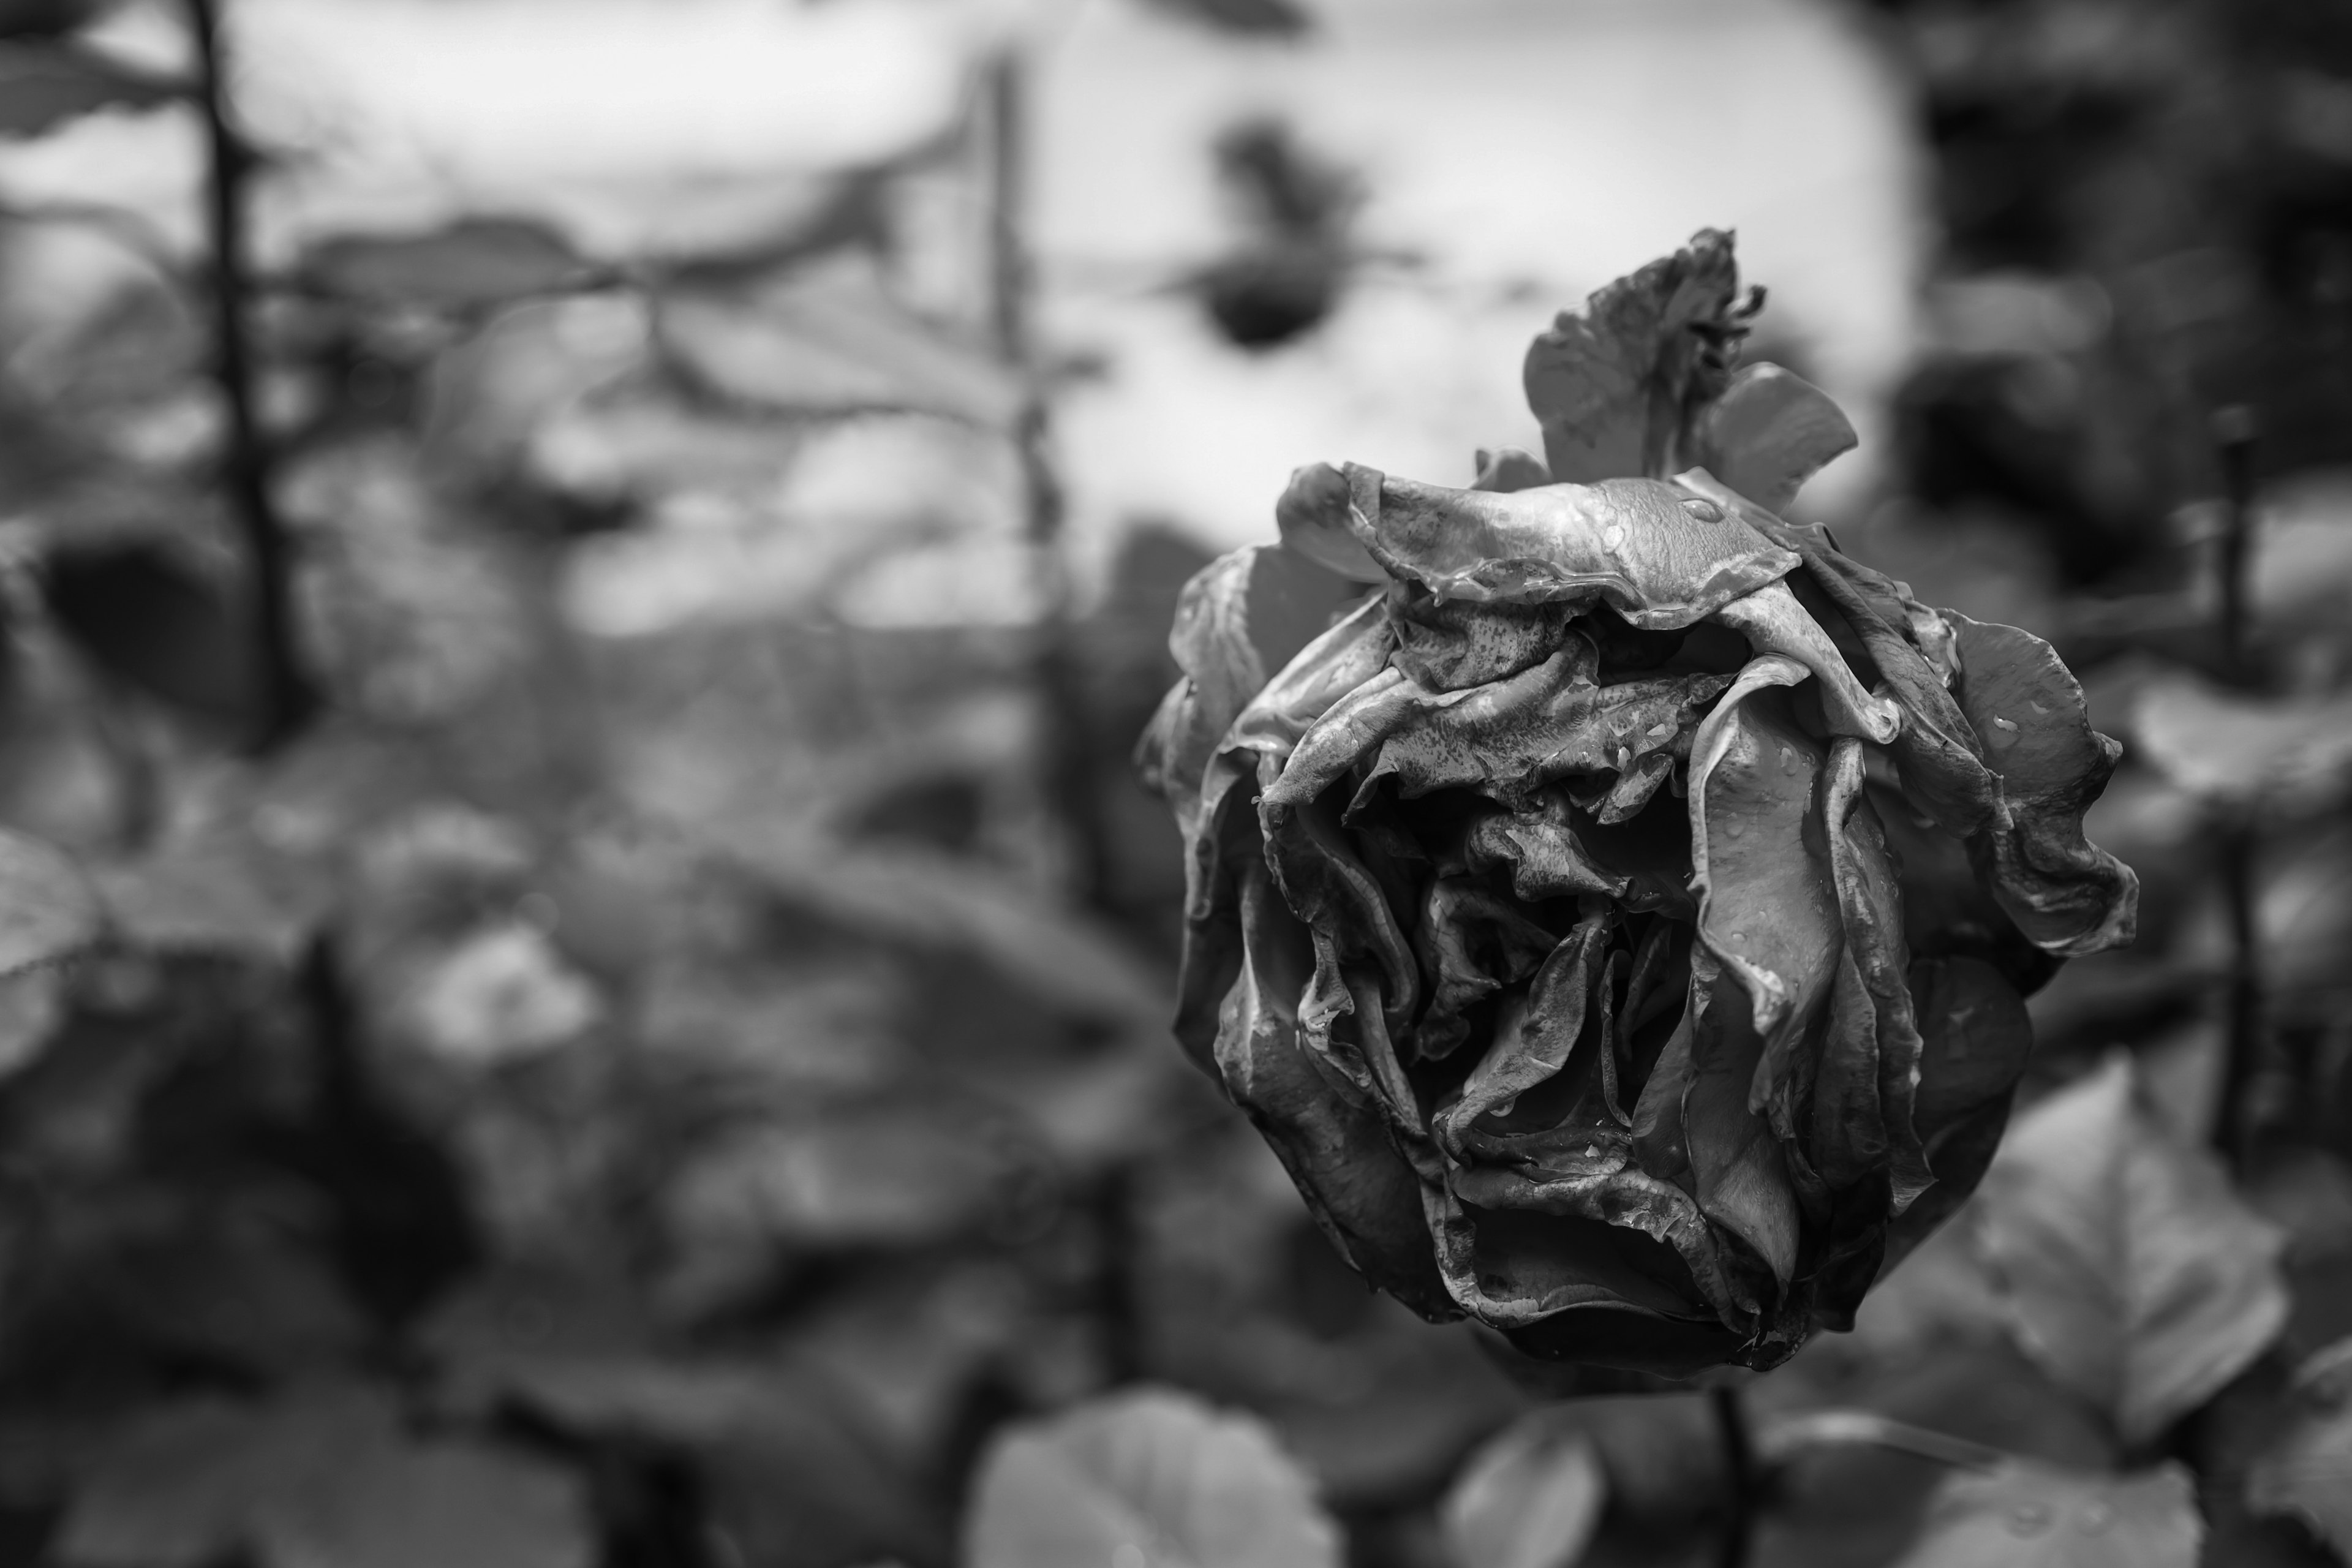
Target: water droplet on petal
[1613,535]
[1733,829]
[1591,1150]
[2004,731]
[2029,1518]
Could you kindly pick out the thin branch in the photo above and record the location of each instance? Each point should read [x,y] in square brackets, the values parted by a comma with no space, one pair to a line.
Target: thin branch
[2238,839]
[285,697]
[1068,758]
[1744,1477]
[1791,1436]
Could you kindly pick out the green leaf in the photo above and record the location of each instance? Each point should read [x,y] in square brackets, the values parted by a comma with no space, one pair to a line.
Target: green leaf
[1530,1497]
[473,262]
[47,910]
[2307,1473]
[42,86]
[1150,1479]
[2228,747]
[2129,1269]
[2028,1516]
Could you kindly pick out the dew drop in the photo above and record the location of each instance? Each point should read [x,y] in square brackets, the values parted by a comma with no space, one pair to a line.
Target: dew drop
[2029,1518]
[1591,1150]
[1613,535]
[1733,829]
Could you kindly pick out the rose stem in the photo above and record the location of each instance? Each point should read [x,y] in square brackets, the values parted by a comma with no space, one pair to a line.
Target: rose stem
[2233,432]
[1744,1481]
[285,697]
[1069,756]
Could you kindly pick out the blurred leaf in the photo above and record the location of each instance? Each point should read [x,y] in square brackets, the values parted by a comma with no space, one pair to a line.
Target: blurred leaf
[190,1483]
[2308,1472]
[473,262]
[32,1003]
[1529,1498]
[2131,1272]
[47,910]
[148,614]
[882,1174]
[931,900]
[500,994]
[42,18]
[43,85]
[2228,747]
[222,896]
[1261,18]
[436,1505]
[832,342]
[1150,1478]
[2026,1516]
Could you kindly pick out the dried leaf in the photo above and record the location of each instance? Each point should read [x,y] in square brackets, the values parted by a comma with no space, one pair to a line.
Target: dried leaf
[2130,1270]
[1770,432]
[2029,1516]
[1152,1478]
[1614,380]
[1530,1498]
[48,909]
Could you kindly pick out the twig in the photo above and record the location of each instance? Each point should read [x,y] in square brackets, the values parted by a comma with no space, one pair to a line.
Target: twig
[2233,434]
[285,697]
[1744,1478]
[1785,1439]
[2233,440]
[1068,753]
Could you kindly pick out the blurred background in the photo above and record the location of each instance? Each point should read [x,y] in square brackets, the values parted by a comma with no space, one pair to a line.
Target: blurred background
[580,575]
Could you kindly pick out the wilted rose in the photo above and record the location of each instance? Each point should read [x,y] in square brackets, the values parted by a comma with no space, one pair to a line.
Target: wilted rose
[1611,901]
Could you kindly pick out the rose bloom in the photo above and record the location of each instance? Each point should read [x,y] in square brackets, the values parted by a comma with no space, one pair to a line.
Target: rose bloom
[1612,902]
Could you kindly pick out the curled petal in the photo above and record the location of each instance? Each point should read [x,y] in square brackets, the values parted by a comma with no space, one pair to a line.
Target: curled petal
[2066,894]
[1870,906]
[1766,907]
[1660,558]
[1316,530]
[1337,1147]
[1541,851]
[1975,1038]
[1536,1041]
[1774,622]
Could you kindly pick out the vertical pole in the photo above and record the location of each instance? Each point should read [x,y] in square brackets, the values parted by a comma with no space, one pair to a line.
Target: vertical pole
[284,699]
[1743,1484]
[2238,840]
[1067,754]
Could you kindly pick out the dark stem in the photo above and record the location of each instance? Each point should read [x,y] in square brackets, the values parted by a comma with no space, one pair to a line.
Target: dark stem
[1069,751]
[1744,1481]
[2234,433]
[2231,1134]
[284,697]
[2234,437]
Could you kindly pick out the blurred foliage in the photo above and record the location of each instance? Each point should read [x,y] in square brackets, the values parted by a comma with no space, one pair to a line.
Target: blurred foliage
[631,1082]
